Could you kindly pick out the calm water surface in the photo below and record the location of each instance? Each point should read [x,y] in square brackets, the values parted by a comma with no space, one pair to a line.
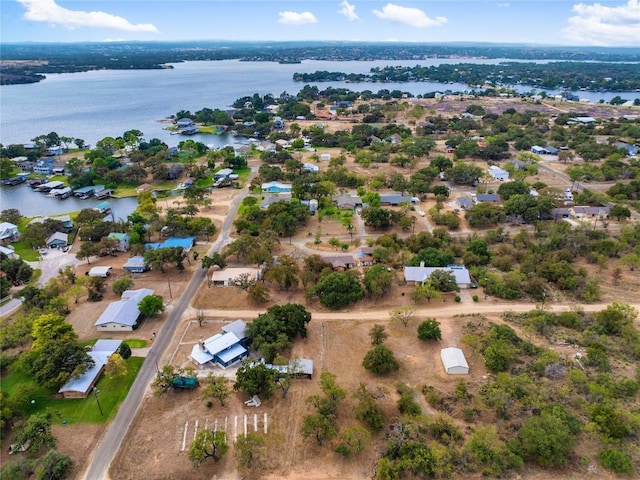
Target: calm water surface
[97,104]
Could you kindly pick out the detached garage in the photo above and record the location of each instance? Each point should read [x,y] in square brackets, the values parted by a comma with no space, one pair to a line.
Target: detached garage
[454,362]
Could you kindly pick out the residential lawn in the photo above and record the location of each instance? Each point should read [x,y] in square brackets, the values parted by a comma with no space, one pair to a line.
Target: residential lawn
[122,192]
[58,178]
[136,343]
[26,251]
[243,174]
[36,275]
[111,392]
[205,182]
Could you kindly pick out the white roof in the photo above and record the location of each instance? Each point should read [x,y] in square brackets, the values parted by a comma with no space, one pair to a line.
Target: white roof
[238,328]
[95,271]
[453,358]
[200,356]
[106,346]
[9,252]
[7,226]
[231,353]
[494,169]
[125,311]
[421,274]
[216,344]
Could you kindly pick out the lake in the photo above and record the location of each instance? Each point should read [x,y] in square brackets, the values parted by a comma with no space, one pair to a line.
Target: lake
[97,104]
[34,204]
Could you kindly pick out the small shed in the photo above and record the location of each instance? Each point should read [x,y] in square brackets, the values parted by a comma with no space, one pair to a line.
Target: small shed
[454,361]
[136,265]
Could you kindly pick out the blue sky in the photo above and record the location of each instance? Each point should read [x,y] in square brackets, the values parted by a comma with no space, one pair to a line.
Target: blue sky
[557,22]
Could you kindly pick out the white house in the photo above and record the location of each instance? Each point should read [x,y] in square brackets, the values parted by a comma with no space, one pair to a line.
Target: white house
[224,348]
[276,187]
[310,167]
[498,173]
[454,361]
[421,274]
[227,276]
[8,232]
[9,252]
[123,315]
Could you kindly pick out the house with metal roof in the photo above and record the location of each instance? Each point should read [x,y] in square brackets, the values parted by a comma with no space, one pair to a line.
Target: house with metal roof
[274,198]
[276,187]
[123,240]
[419,275]
[8,232]
[224,348]
[226,277]
[8,252]
[454,361]
[310,167]
[487,198]
[395,199]
[136,265]
[297,367]
[83,385]
[186,243]
[498,173]
[464,203]
[123,315]
[340,262]
[347,202]
[223,173]
[57,240]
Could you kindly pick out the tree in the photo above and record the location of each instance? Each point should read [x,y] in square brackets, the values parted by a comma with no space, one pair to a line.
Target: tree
[403,315]
[425,291]
[124,350]
[250,451]
[116,366]
[464,173]
[216,387]
[258,293]
[50,328]
[631,260]
[443,281]
[164,379]
[122,285]
[337,290]
[95,287]
[255,379]
[429,330]
[208,444]
[57,362]
[378,334]
[87,250]
[376,217]
[151,305]
[380,360]
[319,426]
[368,409]
[353,440]
[330,388]
[546,439]
[35,434]
[216,258]
[52,466]
[377,281]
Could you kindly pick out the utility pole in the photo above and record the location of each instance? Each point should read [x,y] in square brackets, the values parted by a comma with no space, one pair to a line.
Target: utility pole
[95,392]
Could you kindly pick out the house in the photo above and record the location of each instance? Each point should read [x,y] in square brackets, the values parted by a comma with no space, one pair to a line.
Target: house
[276,187]
[43,166]
[8,232]
[498,173]
[340,262]
[630,150]
[310,167]
[464,203]
[222,174]
[56,150]
[487,198]
[186,243]
[548,150]
[282,144]
[581,212]
[143,188]
[136,265]
[365,256]
[274,198]
[123,315]
[123,240]
[9,252]
[454,361]
[57,240]
[226,277]
[583,120]
[560,213]
[224,348]
[83,385]
[419,275]
[278,123]
[394,139]
[395,200]
[347,202]
[184,123]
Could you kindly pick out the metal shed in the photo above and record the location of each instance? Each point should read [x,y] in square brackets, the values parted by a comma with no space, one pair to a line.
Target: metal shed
[453,361]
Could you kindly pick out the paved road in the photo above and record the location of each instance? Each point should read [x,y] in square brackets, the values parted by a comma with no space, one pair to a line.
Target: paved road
[110,443]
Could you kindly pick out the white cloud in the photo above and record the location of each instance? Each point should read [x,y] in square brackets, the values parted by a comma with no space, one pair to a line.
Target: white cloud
[47,11]
[348,10]
[295,18]
[409,16]
[602,25]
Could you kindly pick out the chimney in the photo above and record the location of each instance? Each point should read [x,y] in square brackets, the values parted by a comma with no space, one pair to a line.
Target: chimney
[422,264]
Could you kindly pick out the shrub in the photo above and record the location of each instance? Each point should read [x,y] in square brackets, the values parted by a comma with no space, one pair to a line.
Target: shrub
[616,461]
[429,330]
[475,298]
[121,285]
[380,360]
[458,299]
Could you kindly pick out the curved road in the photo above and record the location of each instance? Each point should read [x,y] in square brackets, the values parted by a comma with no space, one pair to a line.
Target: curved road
[110,442]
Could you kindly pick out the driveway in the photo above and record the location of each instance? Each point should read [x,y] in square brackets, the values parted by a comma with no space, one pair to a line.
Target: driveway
[51,262]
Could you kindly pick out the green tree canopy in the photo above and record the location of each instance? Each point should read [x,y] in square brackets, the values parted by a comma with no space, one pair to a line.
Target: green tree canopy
[338,290]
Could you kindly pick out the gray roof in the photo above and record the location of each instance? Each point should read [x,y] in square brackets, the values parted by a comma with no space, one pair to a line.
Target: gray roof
[347,200]
[220,342]
[397,199]
[487,197]
[464,201]
[124,311]
[421,274]
[57,236]
[84,381]
[106,346]
[238,328]
[339,260]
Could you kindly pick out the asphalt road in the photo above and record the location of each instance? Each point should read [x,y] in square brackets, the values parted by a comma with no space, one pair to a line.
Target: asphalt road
[110,442]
